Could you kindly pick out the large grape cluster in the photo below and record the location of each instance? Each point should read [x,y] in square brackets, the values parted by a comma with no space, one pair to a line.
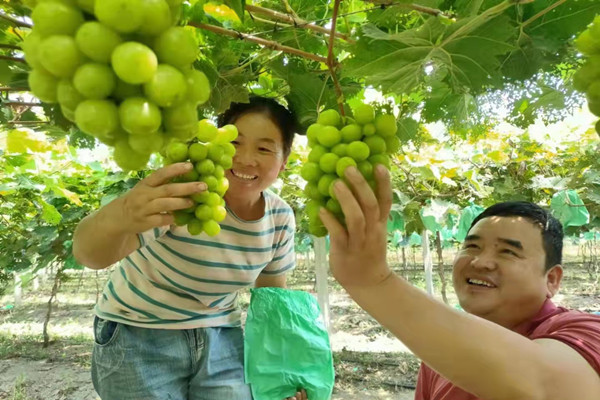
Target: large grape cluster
[211,152]
[337,143]
[120,69]
[587,78]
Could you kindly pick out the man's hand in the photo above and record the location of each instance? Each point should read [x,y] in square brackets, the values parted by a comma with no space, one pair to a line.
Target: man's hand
[150,203]
[358,253]
[301,395]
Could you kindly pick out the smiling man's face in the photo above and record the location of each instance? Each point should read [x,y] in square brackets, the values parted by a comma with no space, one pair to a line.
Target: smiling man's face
[499,272]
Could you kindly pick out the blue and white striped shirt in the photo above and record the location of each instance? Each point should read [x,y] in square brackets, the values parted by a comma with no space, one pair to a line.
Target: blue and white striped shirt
[178,281]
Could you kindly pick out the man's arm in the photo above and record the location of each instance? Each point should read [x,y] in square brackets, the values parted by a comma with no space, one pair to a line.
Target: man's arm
[476,355]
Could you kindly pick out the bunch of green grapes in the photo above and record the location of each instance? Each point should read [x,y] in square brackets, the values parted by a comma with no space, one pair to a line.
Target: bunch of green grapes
[120,69]
[587,78]
[211,152]
[337,143]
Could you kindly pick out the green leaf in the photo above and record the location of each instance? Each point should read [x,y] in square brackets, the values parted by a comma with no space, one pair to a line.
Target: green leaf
[238,6]
[467,51]
[50,214]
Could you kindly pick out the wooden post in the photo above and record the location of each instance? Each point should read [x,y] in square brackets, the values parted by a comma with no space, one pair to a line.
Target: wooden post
[427,262]
[18,290]
[321,268]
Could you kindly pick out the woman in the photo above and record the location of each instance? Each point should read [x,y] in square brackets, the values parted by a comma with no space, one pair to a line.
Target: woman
[167,325]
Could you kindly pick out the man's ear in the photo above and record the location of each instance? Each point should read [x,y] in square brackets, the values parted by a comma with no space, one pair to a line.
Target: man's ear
[284,164]
[553,279]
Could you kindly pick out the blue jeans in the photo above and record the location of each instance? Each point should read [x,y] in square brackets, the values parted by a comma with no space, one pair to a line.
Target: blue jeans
[131,363]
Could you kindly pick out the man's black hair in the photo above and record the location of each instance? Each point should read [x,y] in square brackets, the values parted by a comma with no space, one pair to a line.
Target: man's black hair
[281,116]
[552,230]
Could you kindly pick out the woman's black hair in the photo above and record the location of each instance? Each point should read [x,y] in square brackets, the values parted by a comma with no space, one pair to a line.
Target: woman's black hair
[281,116]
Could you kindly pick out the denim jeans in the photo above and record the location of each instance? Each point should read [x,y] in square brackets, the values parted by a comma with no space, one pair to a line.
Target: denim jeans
[131,363]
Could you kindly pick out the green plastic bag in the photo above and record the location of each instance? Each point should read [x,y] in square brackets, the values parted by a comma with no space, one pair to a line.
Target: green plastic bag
[287,346]
[467,216]
[569,209]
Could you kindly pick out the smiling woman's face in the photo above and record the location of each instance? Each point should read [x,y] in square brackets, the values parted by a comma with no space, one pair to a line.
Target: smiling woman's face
[499,272]
[259,155]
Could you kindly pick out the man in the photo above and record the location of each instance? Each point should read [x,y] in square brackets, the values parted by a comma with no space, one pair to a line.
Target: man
[513,343]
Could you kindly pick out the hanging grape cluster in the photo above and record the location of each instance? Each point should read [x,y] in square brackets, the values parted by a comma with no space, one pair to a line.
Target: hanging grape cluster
[211,152]
[120,69]
[587,78]
[337,143]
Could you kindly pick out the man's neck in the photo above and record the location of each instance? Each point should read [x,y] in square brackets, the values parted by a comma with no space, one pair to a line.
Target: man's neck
[246,208]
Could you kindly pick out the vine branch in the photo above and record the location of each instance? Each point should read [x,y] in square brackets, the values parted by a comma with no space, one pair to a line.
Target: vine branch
[263,42]
[9,46]
[543,12]
[331,62]
[15,21]
[21,103]
[295,21]
[15,59]
[13,89]
[416,7]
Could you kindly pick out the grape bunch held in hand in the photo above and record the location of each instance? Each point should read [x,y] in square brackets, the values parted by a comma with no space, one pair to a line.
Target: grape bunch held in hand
[212,153]
[120,69]
[587,78]
[337,143]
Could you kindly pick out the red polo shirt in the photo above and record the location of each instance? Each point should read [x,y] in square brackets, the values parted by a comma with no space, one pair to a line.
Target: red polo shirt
[579,330]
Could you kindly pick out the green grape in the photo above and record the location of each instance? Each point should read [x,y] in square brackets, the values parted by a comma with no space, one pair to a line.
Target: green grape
[364,114]
[340,149]
[351,133]
[94,80]
[311,172]
[316,228]
[97,117]
[342,164]
[328,163]
[226,161]
[139,116]
[213,199]
[598,127]
[147,144]
[201,198]
[311,191]
[313,208]
[97,41]
[385,125]
[195,227]
[376,144]
[594,107]
[206,131]
[329,136]
[204,212]
[198,152]
[211,182]
[334,206]
[211,228]
[43,85]
[177,151]
[312,133]
[198,87]
[392,144]
[87,5]
[31,47]
[369,129]
[55,18]
[205,167]
[316,153]
[219,172]
[68,96]
[68,113]
[176,46]
[182,218]
[60,56]
[124,90]
[588,44]
[359,151]
[222,186]
[587,74]
[215,152]
[156,17]
[124,16]
[325,182]
[226,134]
[190,176]
[229,149]
[219,213]
[181,120]
[329,117]
[167,87]
[128,159]
[366,169]
[133,62]
[380,159]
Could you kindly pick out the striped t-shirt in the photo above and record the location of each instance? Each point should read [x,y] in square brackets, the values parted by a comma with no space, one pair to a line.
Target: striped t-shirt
[178,281]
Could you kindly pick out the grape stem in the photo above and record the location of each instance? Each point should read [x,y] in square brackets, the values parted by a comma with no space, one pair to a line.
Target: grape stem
[295,21]
[263,42]
[542,13]
[9,46]
[13,89]
[331,62]
[15,21]
[21,104]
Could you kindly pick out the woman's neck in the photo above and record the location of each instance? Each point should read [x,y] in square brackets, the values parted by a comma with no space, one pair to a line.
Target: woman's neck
[248,209]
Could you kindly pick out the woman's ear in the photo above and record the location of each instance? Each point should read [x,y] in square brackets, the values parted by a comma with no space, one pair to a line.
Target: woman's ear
[553,279]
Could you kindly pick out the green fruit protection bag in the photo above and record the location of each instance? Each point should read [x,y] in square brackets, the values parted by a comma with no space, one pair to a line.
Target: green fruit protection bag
[287,346]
